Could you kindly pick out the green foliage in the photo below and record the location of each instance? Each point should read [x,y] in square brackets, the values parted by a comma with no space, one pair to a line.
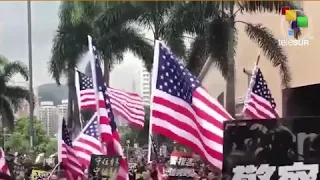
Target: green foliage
[19,141]
[52,147]
[11,96]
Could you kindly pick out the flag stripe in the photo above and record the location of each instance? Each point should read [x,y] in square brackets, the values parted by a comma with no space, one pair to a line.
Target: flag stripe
[259,103]
[88,142]
[68,158]
[72,163]
[3,164]
[183,110]
[192,126]
[127,105]
[161,106]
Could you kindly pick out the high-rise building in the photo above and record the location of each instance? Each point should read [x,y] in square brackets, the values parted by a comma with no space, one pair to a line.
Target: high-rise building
[144,82]
[62,109]
[48,117]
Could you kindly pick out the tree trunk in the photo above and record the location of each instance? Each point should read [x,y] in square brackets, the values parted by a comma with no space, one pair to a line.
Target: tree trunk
[107,72]
[230,87]
[70,102]
[73,109]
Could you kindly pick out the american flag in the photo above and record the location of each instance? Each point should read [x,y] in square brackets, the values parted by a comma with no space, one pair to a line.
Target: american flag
[87,96]
[113,146]
[88,142]
[259,103]
[71,164]
[3,164]
[127,105]
[183,110]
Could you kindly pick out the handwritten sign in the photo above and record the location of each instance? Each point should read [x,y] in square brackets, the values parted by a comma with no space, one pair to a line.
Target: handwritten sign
[39,175]
[181,165]
[104,166]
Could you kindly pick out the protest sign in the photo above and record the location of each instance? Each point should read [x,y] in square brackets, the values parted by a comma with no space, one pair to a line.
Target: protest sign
[181,165]
[272,149]
[39,175]
[102,166]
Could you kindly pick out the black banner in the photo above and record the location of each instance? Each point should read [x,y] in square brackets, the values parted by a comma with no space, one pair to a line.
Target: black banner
[103,167]
[272,149]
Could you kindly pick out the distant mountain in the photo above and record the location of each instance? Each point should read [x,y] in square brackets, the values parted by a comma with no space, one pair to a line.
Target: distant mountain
[52,92]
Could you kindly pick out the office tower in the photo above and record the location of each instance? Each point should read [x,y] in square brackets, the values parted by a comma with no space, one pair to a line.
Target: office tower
[62,109]
[144,85]
[48,117]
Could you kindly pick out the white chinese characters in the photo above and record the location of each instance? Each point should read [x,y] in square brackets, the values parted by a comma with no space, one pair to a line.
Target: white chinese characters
[251,172]
[297,171]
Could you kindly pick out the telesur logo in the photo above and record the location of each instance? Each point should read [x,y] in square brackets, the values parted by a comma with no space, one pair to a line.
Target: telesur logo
[297,22]
[294,42]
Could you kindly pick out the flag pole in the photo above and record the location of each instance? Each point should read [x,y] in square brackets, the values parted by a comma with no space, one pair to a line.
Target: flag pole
[258,59]
[152,83]
[31,96]
[94,81]
[53,170]
[250,83]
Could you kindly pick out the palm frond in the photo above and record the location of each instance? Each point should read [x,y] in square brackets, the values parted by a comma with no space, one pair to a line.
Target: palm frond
[267,6]
[127,38]
[269,44]
[116,15]
[69,13]
[271,6]
[12,68]
[6,112]
[57,63]
[187,17]
[197,55]
[3,61]
[16,94]
[68,46]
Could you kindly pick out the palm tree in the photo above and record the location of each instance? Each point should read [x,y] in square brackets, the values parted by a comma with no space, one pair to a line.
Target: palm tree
[213,25]
[77,20]
[151,16]
[11,97]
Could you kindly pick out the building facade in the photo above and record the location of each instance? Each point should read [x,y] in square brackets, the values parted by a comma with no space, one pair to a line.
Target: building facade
[62,109]
[144,82]
[303,61]
[48,117]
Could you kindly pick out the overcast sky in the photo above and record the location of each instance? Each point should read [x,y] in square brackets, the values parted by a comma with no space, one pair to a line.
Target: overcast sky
[14,41]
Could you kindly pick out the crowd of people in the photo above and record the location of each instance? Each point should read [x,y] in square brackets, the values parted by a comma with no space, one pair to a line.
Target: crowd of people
[138,170]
